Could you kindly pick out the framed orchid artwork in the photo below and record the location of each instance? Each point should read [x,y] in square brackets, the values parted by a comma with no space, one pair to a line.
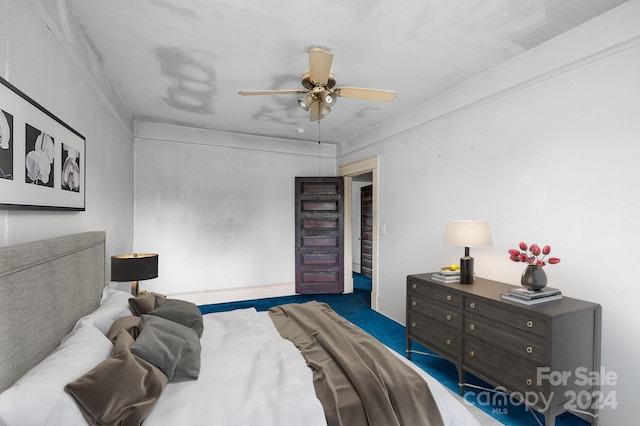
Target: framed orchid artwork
[42,159]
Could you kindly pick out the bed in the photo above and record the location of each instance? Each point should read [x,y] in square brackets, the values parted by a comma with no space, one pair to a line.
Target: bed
[59,325]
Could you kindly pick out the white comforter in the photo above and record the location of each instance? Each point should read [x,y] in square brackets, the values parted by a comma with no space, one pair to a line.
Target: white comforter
[251,376]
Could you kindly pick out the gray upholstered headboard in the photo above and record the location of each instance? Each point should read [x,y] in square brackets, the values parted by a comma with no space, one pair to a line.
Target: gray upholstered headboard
[45,287]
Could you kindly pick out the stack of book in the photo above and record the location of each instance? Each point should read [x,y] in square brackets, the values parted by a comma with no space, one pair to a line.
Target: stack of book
[530,297]
[446,277]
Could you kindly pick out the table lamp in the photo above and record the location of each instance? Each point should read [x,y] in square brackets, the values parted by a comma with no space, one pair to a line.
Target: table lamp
[134,267]
[467,233]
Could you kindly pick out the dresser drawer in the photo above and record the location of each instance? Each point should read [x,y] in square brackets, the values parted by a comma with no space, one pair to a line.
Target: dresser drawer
[435,310]
[520,343]
[515,373]
[518,318]
[439,336]
[440,294]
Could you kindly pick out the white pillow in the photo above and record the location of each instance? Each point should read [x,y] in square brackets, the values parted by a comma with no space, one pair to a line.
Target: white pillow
[108,292]
[38,397]
[113,295]
[114,305]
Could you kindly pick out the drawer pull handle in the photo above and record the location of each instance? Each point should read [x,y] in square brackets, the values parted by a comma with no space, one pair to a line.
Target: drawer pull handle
[472,353]
[448,317]
[413,324]
[529,382]
[529,349]
[448,297]
[414,303]
[529,323]
[448,341]
[414,286]
[472,326]
[472,305]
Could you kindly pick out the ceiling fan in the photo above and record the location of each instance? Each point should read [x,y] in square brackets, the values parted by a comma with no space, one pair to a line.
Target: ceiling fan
[321,92]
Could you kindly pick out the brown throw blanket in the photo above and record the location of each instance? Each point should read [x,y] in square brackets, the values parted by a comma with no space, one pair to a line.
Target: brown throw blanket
[121,390]
[356,378]
[159,345]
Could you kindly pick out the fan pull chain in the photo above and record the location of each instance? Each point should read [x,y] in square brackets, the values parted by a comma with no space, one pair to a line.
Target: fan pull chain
[319,152]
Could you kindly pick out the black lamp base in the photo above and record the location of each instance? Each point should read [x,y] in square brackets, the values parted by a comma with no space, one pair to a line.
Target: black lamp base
[466,270]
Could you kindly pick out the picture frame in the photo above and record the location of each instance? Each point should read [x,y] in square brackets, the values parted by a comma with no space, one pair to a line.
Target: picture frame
[42,159]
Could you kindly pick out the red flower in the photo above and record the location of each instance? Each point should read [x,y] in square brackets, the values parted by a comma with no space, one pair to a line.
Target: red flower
[533,255]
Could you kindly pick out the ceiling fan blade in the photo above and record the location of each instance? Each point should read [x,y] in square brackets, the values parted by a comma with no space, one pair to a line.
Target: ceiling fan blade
[366,94]
[314,115]
[271,92]
[319,65]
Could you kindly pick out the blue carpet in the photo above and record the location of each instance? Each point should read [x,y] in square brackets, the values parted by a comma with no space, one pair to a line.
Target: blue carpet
[355,308]
[360,282]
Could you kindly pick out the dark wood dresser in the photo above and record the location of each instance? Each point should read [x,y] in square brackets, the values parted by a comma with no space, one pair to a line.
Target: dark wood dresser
[545,354]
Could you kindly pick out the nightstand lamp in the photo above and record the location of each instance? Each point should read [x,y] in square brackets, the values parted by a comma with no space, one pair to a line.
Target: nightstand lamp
[467,233]
[134,268]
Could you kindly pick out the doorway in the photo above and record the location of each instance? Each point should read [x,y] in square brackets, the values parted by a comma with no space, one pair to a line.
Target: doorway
[366,223]
[351,172]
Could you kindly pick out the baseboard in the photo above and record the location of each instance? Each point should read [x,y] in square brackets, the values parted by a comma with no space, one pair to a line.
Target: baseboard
[208,297]
[392,311]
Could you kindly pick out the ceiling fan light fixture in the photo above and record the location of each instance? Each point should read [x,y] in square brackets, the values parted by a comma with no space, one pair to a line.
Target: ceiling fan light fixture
[324,109]
[328,97]
[305,103]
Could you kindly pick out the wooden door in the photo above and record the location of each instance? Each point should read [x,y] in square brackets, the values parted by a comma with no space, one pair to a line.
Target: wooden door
[319,235]
[366,230]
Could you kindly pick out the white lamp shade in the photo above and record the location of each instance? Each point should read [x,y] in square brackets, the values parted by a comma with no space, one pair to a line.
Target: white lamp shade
[468,233]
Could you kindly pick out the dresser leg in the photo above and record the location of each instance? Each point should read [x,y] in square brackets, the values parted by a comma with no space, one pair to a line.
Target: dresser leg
[408,348]
[549,418]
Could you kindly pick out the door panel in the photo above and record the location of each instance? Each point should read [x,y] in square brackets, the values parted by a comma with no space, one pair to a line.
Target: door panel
[327,224]
[319,235]
[366,230]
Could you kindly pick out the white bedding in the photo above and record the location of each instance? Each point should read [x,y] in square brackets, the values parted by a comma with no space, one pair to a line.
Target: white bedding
[278,388]
[249,376]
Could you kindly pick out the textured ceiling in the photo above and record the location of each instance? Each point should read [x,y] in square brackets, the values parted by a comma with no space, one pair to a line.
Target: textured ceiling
[184,61]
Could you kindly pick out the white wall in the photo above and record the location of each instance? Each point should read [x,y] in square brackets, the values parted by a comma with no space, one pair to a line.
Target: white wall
[218,208]
[44,54]
[546,148]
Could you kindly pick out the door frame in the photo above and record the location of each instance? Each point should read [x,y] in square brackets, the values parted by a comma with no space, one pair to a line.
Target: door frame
[348,171]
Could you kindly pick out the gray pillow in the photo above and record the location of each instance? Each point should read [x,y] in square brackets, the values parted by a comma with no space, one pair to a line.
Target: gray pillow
[180,311]
[172,347]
